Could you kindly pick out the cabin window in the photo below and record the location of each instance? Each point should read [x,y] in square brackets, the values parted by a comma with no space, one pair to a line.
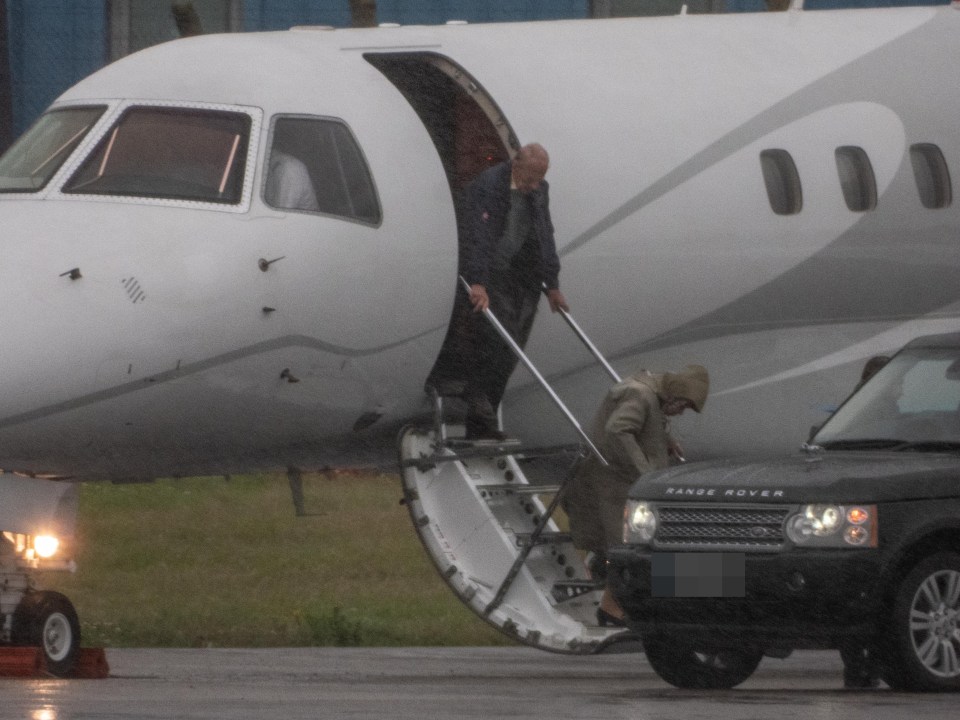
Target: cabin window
[172,153]
[783,182]
[856,178]
[30,163]
[315,165]
[932,176]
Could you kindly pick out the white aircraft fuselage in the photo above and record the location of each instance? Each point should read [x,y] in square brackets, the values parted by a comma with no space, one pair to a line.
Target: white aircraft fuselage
[207,337]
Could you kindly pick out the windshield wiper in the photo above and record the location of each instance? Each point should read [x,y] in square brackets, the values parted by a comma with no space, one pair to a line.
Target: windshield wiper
[929,446]
[864,444]
[892,444]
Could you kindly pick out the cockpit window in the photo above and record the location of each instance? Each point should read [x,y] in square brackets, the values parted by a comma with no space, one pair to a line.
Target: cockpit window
[30,163]
[315,165]
[173,153]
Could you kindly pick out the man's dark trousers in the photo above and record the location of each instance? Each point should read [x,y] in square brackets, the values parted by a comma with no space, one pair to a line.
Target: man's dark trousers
[513,300]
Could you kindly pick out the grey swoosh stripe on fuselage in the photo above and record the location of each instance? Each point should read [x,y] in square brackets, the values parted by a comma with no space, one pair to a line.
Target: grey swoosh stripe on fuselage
[847,281]
[287,341]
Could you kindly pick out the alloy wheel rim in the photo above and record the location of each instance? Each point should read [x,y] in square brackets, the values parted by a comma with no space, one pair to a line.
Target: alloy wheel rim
[935,623]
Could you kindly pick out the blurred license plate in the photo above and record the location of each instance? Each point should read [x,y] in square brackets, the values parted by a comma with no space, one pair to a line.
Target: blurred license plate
[698,575]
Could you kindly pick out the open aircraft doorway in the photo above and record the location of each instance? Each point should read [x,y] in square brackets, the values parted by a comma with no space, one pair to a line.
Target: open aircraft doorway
[470,134]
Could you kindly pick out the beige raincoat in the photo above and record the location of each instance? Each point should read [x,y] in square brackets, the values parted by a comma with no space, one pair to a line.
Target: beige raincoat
[630,430]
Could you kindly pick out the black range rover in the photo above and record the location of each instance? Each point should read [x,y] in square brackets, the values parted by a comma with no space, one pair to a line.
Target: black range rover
[853,543]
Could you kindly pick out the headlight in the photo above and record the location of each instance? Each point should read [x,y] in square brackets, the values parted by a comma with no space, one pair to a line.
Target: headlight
[834,526]
[46,546]
[640,522]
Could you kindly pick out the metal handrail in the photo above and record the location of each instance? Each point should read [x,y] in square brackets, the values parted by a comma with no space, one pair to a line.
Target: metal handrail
[586,341]
[518,351]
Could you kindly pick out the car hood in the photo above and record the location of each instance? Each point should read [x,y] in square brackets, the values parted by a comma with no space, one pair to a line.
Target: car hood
[830,476]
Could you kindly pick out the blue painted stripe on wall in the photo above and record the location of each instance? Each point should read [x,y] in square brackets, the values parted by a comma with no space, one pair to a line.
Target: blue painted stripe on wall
[407,12]
[283,14]
[53,44]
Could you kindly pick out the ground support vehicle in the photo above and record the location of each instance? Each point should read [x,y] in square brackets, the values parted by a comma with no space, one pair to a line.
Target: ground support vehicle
[37,518]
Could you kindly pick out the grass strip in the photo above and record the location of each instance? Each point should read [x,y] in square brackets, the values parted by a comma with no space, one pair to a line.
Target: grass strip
[215,562]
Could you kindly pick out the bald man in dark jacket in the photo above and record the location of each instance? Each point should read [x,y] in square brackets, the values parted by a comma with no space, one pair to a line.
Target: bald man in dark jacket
[508,256]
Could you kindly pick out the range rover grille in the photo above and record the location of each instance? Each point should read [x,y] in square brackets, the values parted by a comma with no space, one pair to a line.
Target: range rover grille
[718,528]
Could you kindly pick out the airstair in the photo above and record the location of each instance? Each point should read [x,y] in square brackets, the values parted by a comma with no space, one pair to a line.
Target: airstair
[492,534]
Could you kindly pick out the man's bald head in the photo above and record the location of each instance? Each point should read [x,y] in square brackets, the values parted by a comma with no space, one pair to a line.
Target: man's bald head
[530,167]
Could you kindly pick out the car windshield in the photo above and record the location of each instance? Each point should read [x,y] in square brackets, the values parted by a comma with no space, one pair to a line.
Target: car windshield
[30,163]
[913,403]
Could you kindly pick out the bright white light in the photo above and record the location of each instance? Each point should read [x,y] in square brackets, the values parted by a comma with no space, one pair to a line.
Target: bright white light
[641,523]
[823,519]
[45,545]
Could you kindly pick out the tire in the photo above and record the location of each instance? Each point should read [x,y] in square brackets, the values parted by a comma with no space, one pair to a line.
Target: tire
[922,649]
[49,621]
[686,666]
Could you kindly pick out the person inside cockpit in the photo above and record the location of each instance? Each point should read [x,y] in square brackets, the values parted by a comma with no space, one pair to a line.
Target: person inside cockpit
[288,185]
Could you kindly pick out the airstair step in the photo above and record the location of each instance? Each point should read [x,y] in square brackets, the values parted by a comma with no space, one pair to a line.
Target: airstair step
[544,598]
[518,488]
[570,589]
[545,538]
[427,462]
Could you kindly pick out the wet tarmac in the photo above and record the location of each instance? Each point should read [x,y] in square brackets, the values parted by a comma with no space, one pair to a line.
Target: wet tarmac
[429,683]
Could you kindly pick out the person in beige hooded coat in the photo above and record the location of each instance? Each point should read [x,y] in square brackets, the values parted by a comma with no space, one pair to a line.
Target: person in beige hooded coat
[630,431]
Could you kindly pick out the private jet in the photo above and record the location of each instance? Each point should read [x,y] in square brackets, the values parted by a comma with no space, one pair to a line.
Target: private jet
[235,253]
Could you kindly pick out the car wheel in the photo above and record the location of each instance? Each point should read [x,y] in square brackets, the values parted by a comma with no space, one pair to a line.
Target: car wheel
[49,621]
[686,666]
[923,646]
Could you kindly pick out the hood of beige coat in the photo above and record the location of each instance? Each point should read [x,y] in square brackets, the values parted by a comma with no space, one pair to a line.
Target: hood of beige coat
[692,383]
